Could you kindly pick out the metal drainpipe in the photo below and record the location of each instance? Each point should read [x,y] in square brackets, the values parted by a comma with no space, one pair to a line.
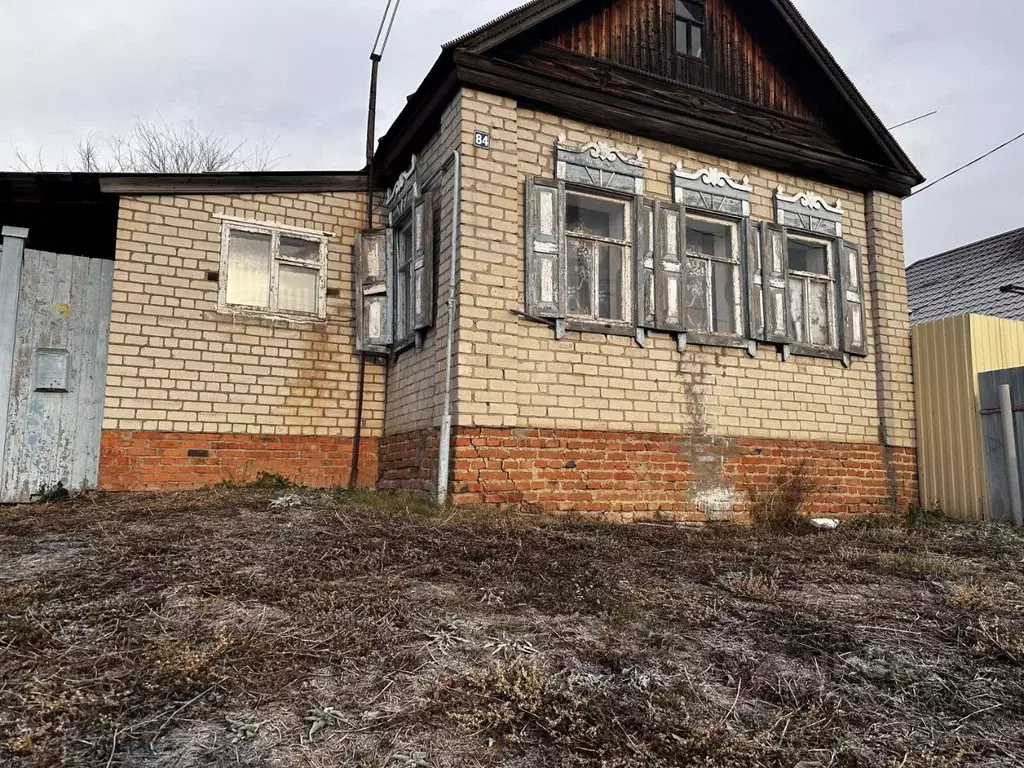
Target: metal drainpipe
[371,125]
[444,448]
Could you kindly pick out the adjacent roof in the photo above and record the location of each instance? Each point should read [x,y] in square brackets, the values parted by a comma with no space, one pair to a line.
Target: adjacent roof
[77,212]
[966,280]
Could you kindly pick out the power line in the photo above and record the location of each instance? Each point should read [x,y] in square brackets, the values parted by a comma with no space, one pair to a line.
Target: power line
[908,122]
[968,165]
[380,30]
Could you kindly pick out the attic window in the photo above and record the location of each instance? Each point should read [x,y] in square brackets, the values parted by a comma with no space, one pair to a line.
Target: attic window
[690,19]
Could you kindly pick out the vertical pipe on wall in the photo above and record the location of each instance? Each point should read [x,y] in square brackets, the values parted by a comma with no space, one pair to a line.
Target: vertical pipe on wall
[1010,454]
[444,448]
[371,127]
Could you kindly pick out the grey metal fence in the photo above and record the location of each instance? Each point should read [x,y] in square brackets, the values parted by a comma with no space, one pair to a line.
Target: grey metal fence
[1002,425]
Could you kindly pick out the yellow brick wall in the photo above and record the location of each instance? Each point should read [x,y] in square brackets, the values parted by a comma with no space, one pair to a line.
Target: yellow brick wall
[177,364]
[415,385]
[513,373]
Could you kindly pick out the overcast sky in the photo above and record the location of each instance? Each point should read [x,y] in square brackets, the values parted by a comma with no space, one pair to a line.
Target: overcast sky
[296,71]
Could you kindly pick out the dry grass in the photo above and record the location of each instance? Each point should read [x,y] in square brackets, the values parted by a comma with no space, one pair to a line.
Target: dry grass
[282,627]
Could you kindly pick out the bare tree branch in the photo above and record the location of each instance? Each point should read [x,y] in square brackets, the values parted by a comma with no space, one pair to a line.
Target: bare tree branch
[161,147]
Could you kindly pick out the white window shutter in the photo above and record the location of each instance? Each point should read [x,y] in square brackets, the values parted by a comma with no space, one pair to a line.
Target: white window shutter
[775,277]
[374,313]
[546,267]
[755,282]
[851,298]
[644,264]
[423,262]
[669,266]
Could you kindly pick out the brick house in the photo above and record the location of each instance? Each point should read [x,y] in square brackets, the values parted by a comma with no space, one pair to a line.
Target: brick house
[669,233]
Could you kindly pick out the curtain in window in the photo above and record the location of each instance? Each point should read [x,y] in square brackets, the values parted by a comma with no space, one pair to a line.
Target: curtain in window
[248,269]
[297,289]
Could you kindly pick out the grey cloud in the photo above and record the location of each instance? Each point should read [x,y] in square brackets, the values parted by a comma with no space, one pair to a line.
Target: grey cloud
[298,70]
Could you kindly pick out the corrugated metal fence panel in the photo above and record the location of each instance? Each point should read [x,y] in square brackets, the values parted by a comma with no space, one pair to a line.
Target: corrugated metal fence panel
[950,457]
[55,413]
[992,428]
[997,343]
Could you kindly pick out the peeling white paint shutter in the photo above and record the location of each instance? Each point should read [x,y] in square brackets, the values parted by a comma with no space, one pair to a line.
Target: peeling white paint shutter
[374,316]
[423,262]
[755,283]
[644,263]
[775,276]
[546,275]
[851,298]
[669,266]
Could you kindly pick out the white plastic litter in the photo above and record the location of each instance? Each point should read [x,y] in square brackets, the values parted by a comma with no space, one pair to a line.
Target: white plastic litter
[825,523]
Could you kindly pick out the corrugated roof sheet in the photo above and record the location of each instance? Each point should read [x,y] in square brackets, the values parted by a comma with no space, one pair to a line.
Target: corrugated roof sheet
[967,280]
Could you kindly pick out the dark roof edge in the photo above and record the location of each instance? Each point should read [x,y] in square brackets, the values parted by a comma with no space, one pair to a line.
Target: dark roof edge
[244,182]
[509,24]
[532,13]
[968,246]
[846,86]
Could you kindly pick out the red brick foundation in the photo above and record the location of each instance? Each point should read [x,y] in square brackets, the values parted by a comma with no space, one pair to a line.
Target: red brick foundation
[631,475]
[177,460]
[408,462]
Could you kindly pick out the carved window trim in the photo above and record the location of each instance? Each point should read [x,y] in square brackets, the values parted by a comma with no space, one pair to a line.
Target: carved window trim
[600,165]
[713,191]
[808,212]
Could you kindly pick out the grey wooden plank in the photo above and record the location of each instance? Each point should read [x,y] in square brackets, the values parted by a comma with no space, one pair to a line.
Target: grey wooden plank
[92,378]
[100,352]
[17,470]
[54,447]
[11,255]
[81,329]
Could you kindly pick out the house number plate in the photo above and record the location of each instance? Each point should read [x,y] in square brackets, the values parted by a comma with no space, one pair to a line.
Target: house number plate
[481,140]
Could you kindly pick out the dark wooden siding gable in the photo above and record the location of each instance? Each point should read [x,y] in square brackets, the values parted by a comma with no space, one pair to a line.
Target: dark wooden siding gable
[765,91]
[641,34]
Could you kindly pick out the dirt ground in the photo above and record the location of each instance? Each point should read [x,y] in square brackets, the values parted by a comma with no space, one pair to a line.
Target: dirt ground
[298,628]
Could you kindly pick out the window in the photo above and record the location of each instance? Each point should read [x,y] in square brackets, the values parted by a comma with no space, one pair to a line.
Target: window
[713,280]
[598,257]
[404,270]
[272,269]
[690,19]
[811,291]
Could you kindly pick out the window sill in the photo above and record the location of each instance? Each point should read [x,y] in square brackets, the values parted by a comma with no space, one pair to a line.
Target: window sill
[415,341]
[608,329]
[822,353]
[717,340]
[266,319]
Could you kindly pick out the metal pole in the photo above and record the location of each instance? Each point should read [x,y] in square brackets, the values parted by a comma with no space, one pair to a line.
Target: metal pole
[371,129]
[1010,453]
[444,448]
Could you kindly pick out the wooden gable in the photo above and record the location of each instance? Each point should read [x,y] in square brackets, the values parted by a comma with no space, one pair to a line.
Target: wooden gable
[641,34]
[764,90]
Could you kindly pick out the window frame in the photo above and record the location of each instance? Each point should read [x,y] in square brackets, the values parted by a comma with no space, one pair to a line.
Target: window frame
[275,231]
[690,26]
[829,280]
[738,337]
[592,322]
[405,312]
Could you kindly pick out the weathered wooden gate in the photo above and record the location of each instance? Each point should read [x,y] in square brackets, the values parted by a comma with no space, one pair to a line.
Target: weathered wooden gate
[54,322]
[992,432]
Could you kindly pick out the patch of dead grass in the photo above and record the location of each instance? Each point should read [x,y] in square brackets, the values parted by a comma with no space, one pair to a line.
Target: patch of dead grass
[228,626]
